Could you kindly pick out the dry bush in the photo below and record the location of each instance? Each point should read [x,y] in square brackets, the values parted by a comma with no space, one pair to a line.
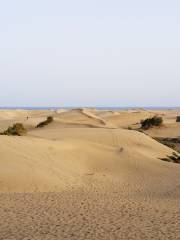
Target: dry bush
[150,122]
[16,130]
[178,119]
[46,122]
[175,158]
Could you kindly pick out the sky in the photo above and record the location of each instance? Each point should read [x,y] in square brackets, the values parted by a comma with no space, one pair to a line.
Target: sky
[89,53]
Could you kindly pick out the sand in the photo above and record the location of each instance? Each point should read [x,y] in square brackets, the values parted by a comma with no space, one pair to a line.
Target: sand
[86,176]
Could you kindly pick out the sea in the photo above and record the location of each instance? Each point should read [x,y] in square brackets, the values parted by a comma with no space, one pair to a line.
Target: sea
[96,107]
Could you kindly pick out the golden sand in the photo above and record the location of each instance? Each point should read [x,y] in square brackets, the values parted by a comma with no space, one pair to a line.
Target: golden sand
[86,176]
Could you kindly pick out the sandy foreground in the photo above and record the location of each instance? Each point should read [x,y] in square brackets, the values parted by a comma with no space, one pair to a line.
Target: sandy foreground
[87,176]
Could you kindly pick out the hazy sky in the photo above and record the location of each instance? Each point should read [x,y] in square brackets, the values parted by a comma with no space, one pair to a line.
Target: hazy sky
[90,53]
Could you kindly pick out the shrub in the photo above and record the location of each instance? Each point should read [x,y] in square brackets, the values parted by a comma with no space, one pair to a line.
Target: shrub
[173,158]
[150,122]
[173,140]
[16,130]
[170,142]
[49,119]
[178,119]
[46,122]
[166,143]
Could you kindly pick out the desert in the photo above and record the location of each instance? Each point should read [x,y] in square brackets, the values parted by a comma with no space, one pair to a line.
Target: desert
[89,174]
[90,120]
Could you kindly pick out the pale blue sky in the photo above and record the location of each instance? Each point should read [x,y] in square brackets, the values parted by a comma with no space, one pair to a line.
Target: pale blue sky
[90,53]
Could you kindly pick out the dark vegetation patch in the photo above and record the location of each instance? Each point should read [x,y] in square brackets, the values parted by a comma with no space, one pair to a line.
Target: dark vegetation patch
[16,130]
[46,122]
[173,140]
[151,122]
[175,158]
[178,119]
[173,143]
[165,142]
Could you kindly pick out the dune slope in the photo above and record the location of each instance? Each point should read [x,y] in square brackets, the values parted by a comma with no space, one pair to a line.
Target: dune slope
[37,164]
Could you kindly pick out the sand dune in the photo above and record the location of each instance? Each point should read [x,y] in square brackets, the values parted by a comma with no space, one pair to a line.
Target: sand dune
[167,130]
[79,117]
[170,128]
[37,164]
[124,118]
[79,142]
[85,177]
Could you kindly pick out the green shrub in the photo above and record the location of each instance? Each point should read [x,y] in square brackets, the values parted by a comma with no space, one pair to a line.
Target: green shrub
[16,130]
[178,119]
[150,122]
[46,122]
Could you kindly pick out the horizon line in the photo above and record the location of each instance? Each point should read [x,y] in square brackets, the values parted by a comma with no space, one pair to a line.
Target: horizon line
[73,107]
